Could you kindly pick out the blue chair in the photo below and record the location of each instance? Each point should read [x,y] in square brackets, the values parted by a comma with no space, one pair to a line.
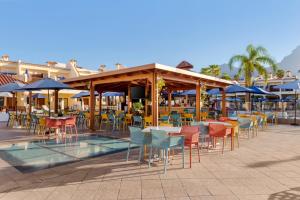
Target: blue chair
[271,118]
[112,120]
[34,121]
[246,124]
[203,131]
[138,138]
[176,119]
[162,141]
[138,121]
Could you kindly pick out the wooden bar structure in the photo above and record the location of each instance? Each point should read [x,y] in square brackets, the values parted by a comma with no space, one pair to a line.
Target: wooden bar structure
[55,101]
[224,113]
[122,80]
[30,102]
[92,106]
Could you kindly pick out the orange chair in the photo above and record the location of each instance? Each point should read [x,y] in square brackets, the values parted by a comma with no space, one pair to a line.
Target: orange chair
[217,131]
[191,137]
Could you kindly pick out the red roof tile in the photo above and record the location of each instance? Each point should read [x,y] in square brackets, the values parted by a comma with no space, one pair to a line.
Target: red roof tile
[4,79]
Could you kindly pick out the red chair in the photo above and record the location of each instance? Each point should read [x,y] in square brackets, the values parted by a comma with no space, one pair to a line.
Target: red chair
[223,119]
[217,131]
[53,124]
[71,123]
[191,137]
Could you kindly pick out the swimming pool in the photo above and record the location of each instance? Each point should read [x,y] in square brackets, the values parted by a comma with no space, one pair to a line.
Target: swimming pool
[37,155]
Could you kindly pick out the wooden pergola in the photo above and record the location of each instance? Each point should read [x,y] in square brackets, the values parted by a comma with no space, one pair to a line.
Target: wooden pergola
[147,76]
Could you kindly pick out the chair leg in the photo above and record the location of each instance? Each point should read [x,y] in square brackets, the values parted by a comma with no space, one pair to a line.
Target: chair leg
[140,154]
[198,151]
[166,161]
[223,145]
[182,151]
[190,156]
[150,155]
[128,151]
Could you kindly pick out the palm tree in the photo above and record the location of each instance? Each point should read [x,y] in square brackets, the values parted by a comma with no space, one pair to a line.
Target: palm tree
[226,76]
[211,70]
[256,59]
[280,73]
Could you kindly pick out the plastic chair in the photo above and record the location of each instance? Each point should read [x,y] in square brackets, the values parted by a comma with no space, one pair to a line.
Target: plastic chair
[246,124]
[138,138]
[218,131]
[162,141]
[204,136]
[112,121]
[147,121]
[42,126]
[104,120]
[191,137]
[71,124]
[188,118]
[176,119]
[138,121]
[34,121]
[128,120]
[164,118]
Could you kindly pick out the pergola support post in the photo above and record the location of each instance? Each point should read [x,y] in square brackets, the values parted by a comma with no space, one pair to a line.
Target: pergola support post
[55,101]
[169,100]
[30,102]
[224,113]
[92,107]
[154,98]
[129,99]
[146,97]
[100,101]
[198,100]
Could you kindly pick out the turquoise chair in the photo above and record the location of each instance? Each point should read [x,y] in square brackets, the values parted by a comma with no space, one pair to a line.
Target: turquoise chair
[112,121]
[138,138]
[138,121]
[203,131]
[176,120]
[162,141]
[164,119]
[246,124]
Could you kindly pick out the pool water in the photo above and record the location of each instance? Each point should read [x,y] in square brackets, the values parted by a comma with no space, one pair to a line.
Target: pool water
[37,155]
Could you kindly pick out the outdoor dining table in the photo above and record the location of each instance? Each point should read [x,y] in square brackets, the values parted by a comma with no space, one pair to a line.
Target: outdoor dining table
[59,122]
[167,129]
[228,125]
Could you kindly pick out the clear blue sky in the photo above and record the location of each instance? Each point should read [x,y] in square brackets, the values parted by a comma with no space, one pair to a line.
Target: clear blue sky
[135,32]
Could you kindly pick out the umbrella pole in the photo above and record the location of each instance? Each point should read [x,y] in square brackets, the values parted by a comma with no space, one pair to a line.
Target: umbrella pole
[236,107]
[295,116]
[49,102]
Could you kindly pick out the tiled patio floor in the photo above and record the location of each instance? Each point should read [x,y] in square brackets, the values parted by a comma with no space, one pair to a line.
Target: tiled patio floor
[264,167]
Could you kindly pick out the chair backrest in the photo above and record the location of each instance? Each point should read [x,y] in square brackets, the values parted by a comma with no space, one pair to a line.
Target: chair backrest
[148,121]
[217,130]
[202,128]
[191,133]
[160,138]
[223,119]
[71,121]
[164,118]
[104,116]
[136,135]
[111,117]
[245,122]
[137,118]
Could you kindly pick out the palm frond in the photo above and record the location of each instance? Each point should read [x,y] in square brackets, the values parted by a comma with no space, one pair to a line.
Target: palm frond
[262,50]
[266,60]
[235,59]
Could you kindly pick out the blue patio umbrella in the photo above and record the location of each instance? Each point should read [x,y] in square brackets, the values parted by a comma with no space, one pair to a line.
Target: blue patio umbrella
[237,89]
[113,94]
[214,91]
[83,94]
[189,93]
[46,84]
[13,87]
[295,85]
[38,96]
